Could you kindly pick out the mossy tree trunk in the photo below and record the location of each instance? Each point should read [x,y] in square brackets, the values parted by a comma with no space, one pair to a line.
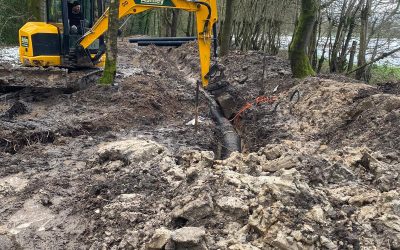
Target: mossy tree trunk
[110,70]
[300,63]
[227,28]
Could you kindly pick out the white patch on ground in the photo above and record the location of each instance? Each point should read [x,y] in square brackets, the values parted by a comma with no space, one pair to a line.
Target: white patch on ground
[128,72]
[9,55]
[13,183]
[31,215]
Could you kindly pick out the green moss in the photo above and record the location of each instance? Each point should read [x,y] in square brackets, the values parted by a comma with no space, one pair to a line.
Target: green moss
[299,60]
[109,73]
[301,66]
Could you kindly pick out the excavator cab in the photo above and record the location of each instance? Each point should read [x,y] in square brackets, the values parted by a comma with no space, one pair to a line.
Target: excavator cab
[55,42]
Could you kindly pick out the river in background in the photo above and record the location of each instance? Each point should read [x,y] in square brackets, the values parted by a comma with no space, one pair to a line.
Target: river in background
[11,54]
[384,45]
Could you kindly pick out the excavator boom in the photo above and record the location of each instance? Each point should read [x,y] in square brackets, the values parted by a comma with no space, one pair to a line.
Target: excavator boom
[206,15]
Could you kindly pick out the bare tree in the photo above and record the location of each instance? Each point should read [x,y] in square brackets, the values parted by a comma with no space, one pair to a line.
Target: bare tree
[227,28]
[110,69]
[365,12]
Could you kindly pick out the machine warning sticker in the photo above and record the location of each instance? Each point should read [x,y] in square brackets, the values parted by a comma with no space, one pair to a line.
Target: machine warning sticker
[24,41]
[155,2]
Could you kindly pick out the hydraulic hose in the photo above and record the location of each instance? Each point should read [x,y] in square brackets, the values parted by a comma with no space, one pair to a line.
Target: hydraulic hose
[209,13]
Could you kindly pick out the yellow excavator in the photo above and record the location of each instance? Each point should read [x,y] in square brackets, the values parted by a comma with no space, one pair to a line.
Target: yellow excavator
[59,43]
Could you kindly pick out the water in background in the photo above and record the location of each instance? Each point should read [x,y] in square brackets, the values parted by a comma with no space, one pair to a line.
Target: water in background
[383,46]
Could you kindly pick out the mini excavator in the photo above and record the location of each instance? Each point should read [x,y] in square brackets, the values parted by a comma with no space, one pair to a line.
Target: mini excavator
[56,43]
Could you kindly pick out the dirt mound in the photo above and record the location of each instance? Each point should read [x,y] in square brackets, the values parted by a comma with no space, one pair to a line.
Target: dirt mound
[338,114]
[122,168]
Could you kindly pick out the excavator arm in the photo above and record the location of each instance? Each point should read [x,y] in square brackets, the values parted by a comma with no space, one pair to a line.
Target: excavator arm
[206,15]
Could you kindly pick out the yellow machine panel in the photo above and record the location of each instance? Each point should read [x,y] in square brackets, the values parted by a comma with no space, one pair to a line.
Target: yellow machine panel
[39,44]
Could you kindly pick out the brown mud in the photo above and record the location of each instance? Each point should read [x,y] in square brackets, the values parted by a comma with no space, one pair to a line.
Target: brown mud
[119,168]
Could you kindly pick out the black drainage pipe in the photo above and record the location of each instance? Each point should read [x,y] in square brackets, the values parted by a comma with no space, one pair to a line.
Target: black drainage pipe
[162,39]
[162,43]
[231,140]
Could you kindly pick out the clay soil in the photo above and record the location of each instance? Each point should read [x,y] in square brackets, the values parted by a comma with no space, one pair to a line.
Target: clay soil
[121,167]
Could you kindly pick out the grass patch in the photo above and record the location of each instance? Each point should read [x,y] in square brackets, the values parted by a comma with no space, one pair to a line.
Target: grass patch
[384,73]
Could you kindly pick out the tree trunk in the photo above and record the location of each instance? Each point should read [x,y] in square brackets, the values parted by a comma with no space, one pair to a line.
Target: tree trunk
[299,60]
[110,69]
[227,28]
[345,47]
[361,73]
[353,51]
[174,23]
[189,24]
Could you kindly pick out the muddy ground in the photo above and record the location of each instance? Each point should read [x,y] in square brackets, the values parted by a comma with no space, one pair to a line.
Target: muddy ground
[122,168]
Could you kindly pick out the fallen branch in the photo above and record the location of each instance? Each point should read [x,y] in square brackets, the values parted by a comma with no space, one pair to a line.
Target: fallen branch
[384,55]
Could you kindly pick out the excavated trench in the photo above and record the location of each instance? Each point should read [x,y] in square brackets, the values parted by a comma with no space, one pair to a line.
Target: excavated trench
[123,168]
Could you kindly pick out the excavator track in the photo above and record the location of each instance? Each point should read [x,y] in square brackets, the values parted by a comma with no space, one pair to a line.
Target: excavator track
[12,76]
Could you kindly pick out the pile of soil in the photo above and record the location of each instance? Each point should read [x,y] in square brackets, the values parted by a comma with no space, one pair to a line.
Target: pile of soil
[118,168]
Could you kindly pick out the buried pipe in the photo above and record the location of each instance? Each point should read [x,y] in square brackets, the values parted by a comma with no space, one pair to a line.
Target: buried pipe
[162,39]
[231,140]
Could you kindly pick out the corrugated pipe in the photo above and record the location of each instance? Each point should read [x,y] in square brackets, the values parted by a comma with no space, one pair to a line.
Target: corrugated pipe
[231,140]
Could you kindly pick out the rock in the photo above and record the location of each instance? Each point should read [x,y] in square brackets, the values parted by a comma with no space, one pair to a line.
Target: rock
[128,151]
[177,173]
[227,104]
[264,217]
[233,205]
[367,213]
[131,239]
[297,235]
[196,209]
[327,243]
[316,214]
[284,242]
[371,164]
[198,160]
[364,198]
[338,173]
[391,221]
[159,240]
[287,162]
[113,166]
[189,238]
[273,153]
[243,247]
